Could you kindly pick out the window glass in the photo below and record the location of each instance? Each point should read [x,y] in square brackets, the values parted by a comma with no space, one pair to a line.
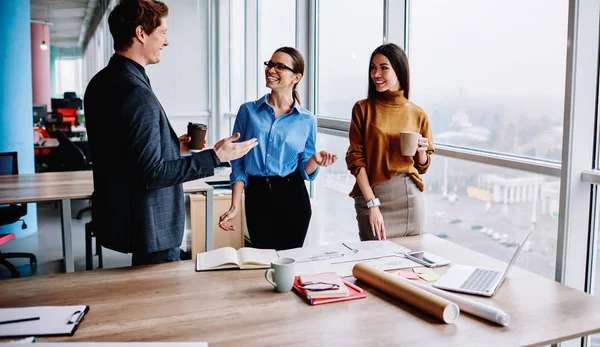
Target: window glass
[491,74]
[276,28]
[349,31]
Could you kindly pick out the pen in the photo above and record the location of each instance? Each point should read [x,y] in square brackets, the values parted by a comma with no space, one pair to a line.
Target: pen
[350,248]
[354,286]
[19,320]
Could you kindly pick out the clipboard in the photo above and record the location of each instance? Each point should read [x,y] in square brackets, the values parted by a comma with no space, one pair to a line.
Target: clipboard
[41,320]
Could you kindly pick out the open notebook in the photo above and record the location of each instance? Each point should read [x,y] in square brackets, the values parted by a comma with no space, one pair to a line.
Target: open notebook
[228,258]
[41,320]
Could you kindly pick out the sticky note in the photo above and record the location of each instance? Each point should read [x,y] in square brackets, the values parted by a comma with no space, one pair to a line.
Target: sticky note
[426,273]
[408,275]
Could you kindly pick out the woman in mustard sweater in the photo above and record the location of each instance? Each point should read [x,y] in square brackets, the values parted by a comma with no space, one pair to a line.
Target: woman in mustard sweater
[388,194]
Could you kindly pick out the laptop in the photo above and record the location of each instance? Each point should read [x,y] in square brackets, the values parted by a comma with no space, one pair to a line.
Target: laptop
[474,280]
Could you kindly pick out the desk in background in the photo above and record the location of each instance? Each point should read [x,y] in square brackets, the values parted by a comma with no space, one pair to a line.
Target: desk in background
[73,185]
[46,143]
[172,302]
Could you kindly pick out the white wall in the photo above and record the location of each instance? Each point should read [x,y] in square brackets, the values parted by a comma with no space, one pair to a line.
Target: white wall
[180,80]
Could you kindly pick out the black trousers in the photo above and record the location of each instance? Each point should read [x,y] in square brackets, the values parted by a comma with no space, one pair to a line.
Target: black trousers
[277,211]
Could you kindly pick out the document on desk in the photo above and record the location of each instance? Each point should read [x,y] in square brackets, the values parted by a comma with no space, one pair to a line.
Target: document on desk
[41,320]
[388,262]
[341,257]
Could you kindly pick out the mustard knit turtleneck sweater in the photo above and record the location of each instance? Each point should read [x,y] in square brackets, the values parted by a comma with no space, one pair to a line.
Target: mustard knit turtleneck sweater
[375,138]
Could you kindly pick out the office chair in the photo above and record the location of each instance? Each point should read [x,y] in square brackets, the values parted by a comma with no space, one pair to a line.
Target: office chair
[89,260]
[67,156]
[12,214]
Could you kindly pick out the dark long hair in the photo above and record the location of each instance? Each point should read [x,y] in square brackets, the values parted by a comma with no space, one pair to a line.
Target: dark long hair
[399,62]
[298,65]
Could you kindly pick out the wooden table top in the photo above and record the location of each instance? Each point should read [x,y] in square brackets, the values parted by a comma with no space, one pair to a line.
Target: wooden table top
[50,186]
[47,143]
[172,302]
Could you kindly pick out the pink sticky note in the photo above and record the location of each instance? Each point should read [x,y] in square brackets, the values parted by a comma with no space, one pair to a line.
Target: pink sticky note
[408,275]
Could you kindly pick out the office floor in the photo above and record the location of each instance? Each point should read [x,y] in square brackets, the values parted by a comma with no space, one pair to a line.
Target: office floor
[46,244]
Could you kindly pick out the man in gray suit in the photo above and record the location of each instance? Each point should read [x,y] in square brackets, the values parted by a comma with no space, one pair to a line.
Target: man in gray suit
[138,203]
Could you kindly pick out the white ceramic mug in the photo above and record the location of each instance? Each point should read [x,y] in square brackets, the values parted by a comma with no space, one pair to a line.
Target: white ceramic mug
[283,271]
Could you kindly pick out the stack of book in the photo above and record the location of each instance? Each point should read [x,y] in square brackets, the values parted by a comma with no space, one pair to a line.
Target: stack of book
[327,287]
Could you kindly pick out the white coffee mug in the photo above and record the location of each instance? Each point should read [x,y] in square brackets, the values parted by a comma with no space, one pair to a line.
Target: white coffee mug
[283,271]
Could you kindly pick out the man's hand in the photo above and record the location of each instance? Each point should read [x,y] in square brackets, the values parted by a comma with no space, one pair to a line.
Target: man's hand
[183,144]
[226,150]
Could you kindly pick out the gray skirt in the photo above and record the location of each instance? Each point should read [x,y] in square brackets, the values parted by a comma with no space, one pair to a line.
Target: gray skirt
[402,208]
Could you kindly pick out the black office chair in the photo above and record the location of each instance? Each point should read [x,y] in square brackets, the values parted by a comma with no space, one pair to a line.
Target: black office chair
[89,257]
[67,156]
[11,214]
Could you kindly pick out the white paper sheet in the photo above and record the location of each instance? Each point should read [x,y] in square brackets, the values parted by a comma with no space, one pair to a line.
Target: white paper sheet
[53,320]
[342,257]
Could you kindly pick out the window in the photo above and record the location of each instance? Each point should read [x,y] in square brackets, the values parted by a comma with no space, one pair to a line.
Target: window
[276,28]
[68,77]
[486,208]
[489,209]
[491,75]
[237,51]
[349,31]
[335,212]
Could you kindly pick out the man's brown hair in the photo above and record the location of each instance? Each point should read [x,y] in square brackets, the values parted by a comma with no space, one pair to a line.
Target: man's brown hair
[129,14]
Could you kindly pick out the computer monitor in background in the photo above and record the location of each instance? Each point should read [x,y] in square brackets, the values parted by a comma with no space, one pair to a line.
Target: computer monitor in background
[70,100]
[57,103]
[39,114]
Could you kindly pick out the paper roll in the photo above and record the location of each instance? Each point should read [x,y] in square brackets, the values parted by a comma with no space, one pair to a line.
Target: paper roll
[397,287]
[473,307]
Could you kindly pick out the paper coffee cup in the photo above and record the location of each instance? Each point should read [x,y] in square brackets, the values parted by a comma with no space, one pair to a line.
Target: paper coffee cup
[197,131]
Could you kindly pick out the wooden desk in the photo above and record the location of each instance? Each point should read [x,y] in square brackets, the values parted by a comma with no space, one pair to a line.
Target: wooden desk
[67,186]
[172,302]
[47,144]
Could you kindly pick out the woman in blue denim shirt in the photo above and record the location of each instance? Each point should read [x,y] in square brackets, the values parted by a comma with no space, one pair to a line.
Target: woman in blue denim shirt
[272,174]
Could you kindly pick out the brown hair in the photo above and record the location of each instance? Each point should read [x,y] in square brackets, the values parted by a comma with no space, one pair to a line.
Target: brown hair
[129,14]
[399,62]
[298,65]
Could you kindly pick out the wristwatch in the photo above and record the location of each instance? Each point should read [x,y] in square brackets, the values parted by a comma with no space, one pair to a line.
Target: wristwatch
[373,203]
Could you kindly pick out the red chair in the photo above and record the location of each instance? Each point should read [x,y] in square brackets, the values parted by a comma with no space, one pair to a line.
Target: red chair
[44,134]
[69,115]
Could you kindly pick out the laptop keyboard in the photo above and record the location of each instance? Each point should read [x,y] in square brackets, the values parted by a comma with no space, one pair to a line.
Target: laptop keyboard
[480,280]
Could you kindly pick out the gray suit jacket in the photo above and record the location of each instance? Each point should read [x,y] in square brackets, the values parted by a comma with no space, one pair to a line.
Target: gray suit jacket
[138,203]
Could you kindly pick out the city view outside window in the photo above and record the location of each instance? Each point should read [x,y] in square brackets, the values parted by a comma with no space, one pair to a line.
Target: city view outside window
[491,76]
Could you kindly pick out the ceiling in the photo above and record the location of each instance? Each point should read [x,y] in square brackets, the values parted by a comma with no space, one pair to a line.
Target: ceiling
[69,18]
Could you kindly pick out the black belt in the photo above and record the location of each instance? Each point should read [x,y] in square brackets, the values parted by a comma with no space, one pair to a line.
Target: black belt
[294,176]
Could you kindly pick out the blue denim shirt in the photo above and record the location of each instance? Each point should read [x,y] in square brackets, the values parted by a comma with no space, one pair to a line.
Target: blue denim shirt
[284,143]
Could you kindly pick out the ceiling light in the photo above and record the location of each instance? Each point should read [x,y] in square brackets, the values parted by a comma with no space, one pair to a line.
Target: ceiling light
[43,46]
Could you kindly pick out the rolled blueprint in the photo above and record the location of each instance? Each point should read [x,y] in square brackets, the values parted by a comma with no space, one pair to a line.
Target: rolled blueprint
[395,286]
[473,307]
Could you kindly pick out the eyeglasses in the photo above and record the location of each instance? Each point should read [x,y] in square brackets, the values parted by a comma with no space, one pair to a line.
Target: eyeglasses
[278,66]
[319,286]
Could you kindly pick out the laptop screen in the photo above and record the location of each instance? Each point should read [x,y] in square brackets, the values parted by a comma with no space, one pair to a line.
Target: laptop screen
[516,254]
